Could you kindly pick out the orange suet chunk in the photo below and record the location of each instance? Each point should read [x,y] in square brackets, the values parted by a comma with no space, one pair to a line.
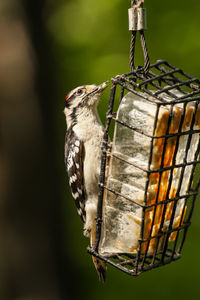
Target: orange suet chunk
[161,188]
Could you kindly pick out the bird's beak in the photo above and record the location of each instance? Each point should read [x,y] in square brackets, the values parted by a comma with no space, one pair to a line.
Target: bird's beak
[101,87]
[97,90]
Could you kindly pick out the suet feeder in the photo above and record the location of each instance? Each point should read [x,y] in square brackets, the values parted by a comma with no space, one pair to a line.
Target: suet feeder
[147,187]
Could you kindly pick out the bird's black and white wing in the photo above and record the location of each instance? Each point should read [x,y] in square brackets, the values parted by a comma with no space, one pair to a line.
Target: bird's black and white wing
[74,155]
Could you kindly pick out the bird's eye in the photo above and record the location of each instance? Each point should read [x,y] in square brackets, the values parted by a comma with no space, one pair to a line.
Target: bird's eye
[79,91]
[67,97]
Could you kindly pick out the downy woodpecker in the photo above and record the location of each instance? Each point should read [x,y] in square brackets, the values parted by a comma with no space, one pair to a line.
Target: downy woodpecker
[83,144]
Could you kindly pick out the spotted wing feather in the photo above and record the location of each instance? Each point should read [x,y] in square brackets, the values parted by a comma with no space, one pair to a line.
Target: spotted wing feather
[74,155]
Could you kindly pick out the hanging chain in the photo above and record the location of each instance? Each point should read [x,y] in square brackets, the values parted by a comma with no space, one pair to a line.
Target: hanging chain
[137,22]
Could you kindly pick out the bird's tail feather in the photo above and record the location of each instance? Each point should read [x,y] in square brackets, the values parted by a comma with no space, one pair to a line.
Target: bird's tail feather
[99,264]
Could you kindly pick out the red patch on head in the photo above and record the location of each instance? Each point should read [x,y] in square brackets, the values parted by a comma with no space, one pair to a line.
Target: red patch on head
[67,97]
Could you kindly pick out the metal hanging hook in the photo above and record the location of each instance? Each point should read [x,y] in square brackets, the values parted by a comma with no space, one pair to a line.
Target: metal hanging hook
[137,22]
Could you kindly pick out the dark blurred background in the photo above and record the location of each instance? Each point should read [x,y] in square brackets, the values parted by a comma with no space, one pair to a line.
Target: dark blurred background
[47,48]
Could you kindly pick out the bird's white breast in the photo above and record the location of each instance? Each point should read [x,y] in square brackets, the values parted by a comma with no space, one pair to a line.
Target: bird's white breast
[90,130]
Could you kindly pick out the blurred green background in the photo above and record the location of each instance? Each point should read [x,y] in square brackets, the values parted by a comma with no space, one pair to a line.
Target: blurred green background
[48,48]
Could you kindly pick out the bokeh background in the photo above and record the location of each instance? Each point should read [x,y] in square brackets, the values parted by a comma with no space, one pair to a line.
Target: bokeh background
[47,48]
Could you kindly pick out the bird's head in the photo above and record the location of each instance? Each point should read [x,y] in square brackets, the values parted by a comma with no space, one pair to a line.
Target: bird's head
[83,98]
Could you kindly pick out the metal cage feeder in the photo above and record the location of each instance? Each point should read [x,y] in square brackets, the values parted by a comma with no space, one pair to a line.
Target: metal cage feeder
[147,183]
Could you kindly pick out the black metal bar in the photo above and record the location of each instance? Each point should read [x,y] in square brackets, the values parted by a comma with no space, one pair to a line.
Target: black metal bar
[118,266]
[172,167]
[181,178]
[159,183]
[170,80]
[160,90]
[135,72]
[176,79]
[166,89]
[121,95]
[194,197]
[155,98]
[168,200]
[103,170]
[160,234]
[157,77]
[160,264]
[181,71]
[128,271]
[121,195]
[157,136]
[147,186]
[131,127]
[128,162]
[173,162]
[189,217]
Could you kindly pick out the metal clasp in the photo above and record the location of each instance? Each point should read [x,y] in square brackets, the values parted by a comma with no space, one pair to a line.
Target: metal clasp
[137,18]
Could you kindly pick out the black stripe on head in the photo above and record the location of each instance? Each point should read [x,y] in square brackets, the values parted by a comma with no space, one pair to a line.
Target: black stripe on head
[73,116]
[73,94]
[69,100]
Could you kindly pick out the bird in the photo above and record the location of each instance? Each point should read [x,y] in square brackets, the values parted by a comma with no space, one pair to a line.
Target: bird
[83,143]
